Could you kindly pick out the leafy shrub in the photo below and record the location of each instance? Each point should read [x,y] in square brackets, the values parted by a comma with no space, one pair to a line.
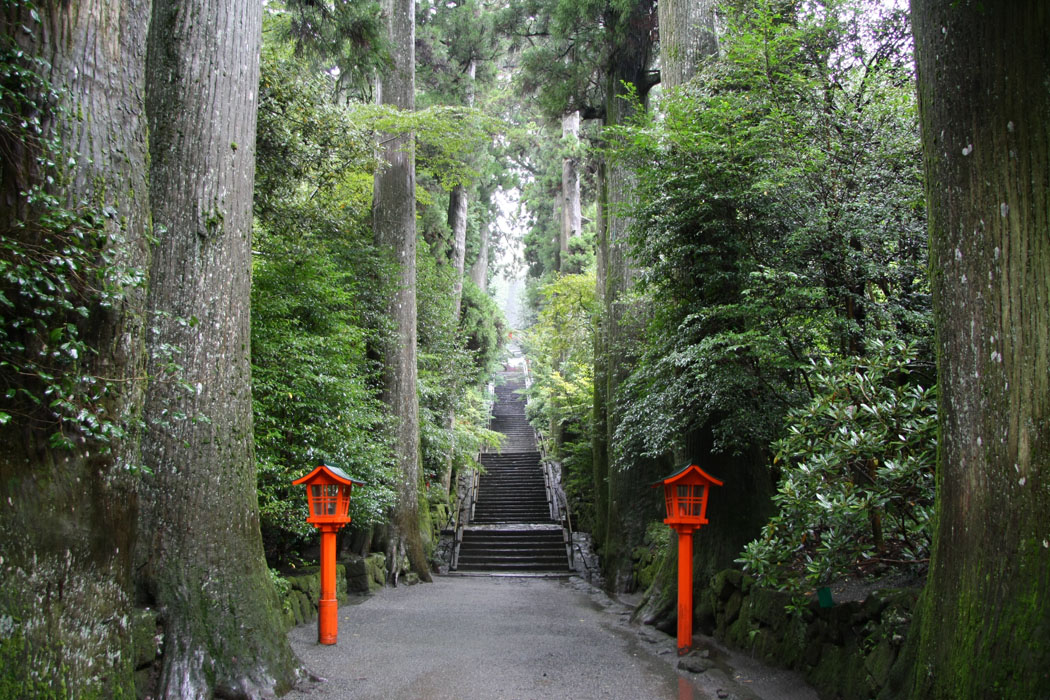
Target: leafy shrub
[857,481]
[317,306]
[560,346]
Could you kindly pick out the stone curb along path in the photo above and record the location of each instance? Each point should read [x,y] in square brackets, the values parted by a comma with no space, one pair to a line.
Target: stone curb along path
[518,637]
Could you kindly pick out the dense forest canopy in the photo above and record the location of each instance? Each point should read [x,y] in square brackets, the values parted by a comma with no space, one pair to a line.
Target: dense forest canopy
[761,236]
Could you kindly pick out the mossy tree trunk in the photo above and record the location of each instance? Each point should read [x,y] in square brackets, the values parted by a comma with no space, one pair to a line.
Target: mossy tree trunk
[199,550]
[394,223]
[67,512]
[983,625]
[622,511]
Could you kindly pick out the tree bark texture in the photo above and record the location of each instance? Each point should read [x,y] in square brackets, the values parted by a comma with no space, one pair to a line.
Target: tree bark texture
[571,210]
[687,36]
[457,221]
[200,554]
[458,201]
[617,489]
[983,625]
[394,222]
[65,525]
[479,271]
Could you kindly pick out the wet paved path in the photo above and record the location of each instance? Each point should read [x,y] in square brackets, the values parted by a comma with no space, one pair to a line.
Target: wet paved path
[513,638]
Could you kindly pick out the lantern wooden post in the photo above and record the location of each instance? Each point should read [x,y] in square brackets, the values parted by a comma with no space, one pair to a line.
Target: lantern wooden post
[685,496]
[685,586]
[328,605]
[328,494]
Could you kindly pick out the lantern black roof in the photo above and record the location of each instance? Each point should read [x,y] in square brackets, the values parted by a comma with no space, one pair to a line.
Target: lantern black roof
[334,472]
[681,473]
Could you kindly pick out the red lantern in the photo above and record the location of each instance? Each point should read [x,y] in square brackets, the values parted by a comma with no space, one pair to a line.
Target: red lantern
[685,496]
[328,493]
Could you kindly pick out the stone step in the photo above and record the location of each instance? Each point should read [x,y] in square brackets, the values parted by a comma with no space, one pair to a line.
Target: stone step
[511,519]
[513,550]
[512,492]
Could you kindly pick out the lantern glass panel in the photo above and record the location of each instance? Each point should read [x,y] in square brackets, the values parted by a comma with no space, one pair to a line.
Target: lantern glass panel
[690,500]
[323,498]
[344,500]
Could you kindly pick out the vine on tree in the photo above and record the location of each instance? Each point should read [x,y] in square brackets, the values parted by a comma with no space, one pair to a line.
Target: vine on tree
[59,263]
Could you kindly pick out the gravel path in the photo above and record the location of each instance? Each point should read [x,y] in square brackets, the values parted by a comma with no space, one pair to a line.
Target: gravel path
[494,637]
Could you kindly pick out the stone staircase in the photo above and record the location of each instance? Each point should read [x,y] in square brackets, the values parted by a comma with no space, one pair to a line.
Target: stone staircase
[512,530]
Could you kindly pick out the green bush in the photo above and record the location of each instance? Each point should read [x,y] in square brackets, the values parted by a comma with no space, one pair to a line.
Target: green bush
[560,346]
[857,480]
[317,306]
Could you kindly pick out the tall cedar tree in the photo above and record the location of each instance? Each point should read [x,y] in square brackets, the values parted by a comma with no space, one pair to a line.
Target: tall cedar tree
[394,220]
[983,626]
[569,203]
[66,522]
[626,71]
[200,551]
[687,38]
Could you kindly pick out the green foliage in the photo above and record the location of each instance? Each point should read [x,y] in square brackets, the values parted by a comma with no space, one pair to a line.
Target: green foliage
[567,47]
[560,346]
[542,157]
[454,358]
[319,298]
[452,38]
[857,484]
[344,38]
[62,267]
[780,220]
[316,305]
[483,328]
[444,137]
[461,71]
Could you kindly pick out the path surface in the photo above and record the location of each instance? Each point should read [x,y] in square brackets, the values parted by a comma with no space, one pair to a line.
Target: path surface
[501,637]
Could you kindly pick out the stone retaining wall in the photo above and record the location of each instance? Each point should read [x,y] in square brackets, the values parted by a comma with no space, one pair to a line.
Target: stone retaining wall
[845,651]
[354,575]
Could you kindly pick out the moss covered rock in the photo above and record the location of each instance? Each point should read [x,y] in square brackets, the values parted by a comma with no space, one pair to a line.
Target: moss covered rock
[375,565]
[769,607]
[846,651]
[308,582]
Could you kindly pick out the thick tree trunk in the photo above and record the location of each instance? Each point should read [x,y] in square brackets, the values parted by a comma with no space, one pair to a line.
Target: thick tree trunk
[571,212]
[616,488]
[199,547]
[457,221]
[65,524]
[394,222]
[479,271]
[457,211]
[983,625]
[687,36]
